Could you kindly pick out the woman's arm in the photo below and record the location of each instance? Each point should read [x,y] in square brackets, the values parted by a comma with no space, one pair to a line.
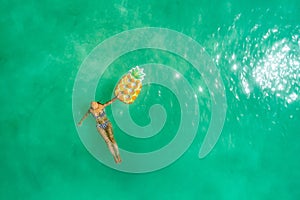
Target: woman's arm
[84,117]
[110,102]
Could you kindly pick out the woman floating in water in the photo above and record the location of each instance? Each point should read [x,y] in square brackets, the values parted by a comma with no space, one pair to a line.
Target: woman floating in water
[104,126]
[126,91]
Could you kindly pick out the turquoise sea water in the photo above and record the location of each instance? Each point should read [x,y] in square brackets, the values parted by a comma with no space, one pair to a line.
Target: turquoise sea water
[254,45]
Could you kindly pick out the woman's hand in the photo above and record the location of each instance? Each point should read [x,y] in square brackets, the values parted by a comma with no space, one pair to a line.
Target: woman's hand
[84,117]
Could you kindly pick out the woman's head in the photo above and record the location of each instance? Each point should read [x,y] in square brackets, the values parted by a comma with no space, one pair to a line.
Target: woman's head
[94,105]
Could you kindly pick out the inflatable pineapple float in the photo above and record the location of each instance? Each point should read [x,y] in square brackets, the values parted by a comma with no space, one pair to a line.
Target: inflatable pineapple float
[130,85]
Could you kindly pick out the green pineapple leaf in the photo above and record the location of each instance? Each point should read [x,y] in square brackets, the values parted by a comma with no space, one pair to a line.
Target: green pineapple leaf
[138,73]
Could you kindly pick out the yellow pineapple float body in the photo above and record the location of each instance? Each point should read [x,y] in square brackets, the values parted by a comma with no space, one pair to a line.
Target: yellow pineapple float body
[130,85]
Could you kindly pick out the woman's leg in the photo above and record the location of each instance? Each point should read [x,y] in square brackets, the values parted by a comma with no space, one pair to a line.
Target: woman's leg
[110,135]
[107,141]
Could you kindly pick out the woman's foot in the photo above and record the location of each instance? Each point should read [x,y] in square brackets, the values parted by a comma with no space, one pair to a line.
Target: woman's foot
[117,159]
